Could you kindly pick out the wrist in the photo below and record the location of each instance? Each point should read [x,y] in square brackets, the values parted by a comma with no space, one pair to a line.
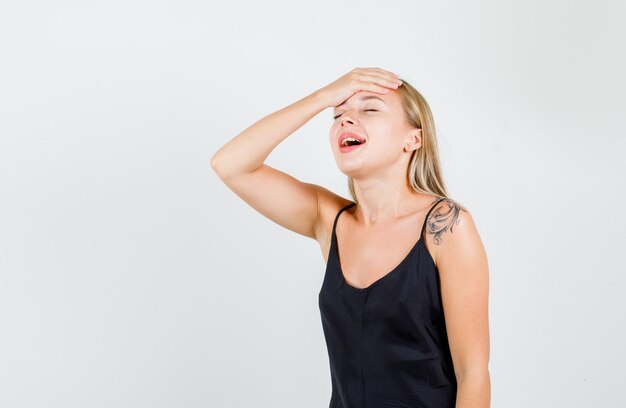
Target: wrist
[319,99]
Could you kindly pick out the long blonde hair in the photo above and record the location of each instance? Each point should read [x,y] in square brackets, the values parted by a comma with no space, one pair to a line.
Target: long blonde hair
[424,169]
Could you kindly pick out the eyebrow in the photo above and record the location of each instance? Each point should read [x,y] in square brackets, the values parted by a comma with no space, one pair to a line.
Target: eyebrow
[363,98]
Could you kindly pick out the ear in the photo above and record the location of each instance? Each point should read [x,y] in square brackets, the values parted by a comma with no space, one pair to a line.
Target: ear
[415,141]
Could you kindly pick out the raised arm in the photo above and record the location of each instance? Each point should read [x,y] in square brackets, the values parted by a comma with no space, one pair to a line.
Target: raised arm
[276,195]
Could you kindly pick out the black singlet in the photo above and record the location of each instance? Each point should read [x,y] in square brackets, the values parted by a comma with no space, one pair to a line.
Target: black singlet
[387,343]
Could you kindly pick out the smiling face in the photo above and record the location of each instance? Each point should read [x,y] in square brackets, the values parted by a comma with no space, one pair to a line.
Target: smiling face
[379,120]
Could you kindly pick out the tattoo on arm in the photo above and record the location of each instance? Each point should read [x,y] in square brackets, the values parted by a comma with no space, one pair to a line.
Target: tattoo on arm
[443,218]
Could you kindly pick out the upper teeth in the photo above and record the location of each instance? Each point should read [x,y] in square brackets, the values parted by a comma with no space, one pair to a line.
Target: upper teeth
[343,142]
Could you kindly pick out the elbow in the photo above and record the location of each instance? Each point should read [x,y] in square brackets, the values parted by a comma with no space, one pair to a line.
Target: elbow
[215,164]
[474,372]
[221,167]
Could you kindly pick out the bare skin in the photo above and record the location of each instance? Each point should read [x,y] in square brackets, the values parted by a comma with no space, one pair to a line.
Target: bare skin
[367,254]
[304,208]
[376,235]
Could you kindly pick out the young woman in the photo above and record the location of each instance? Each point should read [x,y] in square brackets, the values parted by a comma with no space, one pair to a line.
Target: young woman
[404,309]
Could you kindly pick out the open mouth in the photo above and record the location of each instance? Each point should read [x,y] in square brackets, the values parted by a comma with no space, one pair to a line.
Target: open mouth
[350,146]
[350,139]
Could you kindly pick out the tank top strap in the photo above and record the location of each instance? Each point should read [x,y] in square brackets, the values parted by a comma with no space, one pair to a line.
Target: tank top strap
[428,213]
[339,213]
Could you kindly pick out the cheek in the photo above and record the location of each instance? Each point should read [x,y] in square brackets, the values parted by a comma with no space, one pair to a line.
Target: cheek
[387,139]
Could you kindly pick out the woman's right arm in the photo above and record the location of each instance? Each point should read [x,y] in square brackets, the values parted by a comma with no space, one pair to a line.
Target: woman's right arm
[287,201]
[276,195]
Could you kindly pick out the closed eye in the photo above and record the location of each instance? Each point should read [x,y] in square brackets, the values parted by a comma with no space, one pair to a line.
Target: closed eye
[367,110]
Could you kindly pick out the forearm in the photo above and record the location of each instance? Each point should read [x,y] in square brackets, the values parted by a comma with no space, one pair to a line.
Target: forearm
[474,390]
[248,150]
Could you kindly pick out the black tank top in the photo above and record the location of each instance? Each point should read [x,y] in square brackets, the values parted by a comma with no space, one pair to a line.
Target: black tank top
[387,343]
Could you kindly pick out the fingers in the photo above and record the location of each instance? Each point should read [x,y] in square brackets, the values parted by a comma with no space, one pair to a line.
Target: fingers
[392,74]
[385,73]
[381,83]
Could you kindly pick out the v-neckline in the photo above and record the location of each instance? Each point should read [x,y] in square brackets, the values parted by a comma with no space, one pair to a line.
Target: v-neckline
[382,278]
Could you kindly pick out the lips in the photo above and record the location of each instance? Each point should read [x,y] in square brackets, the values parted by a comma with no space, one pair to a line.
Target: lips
[350,134]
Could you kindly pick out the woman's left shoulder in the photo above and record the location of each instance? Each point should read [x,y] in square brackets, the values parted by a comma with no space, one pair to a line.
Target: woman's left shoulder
[453,205]
[447,214]
[451,229]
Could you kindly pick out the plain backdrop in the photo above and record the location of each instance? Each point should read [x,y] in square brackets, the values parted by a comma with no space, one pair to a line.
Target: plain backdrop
[131,276]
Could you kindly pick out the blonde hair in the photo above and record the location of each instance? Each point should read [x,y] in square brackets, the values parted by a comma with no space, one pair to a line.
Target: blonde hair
[424,169]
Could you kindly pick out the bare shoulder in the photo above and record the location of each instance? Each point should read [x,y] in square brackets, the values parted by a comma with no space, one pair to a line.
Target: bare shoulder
[329,204]
[464,286]
[449,227]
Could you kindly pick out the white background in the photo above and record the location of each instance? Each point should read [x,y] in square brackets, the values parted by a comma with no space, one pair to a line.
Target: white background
[130,276]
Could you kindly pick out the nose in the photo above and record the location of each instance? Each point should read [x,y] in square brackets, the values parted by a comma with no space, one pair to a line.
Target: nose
[345,118]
